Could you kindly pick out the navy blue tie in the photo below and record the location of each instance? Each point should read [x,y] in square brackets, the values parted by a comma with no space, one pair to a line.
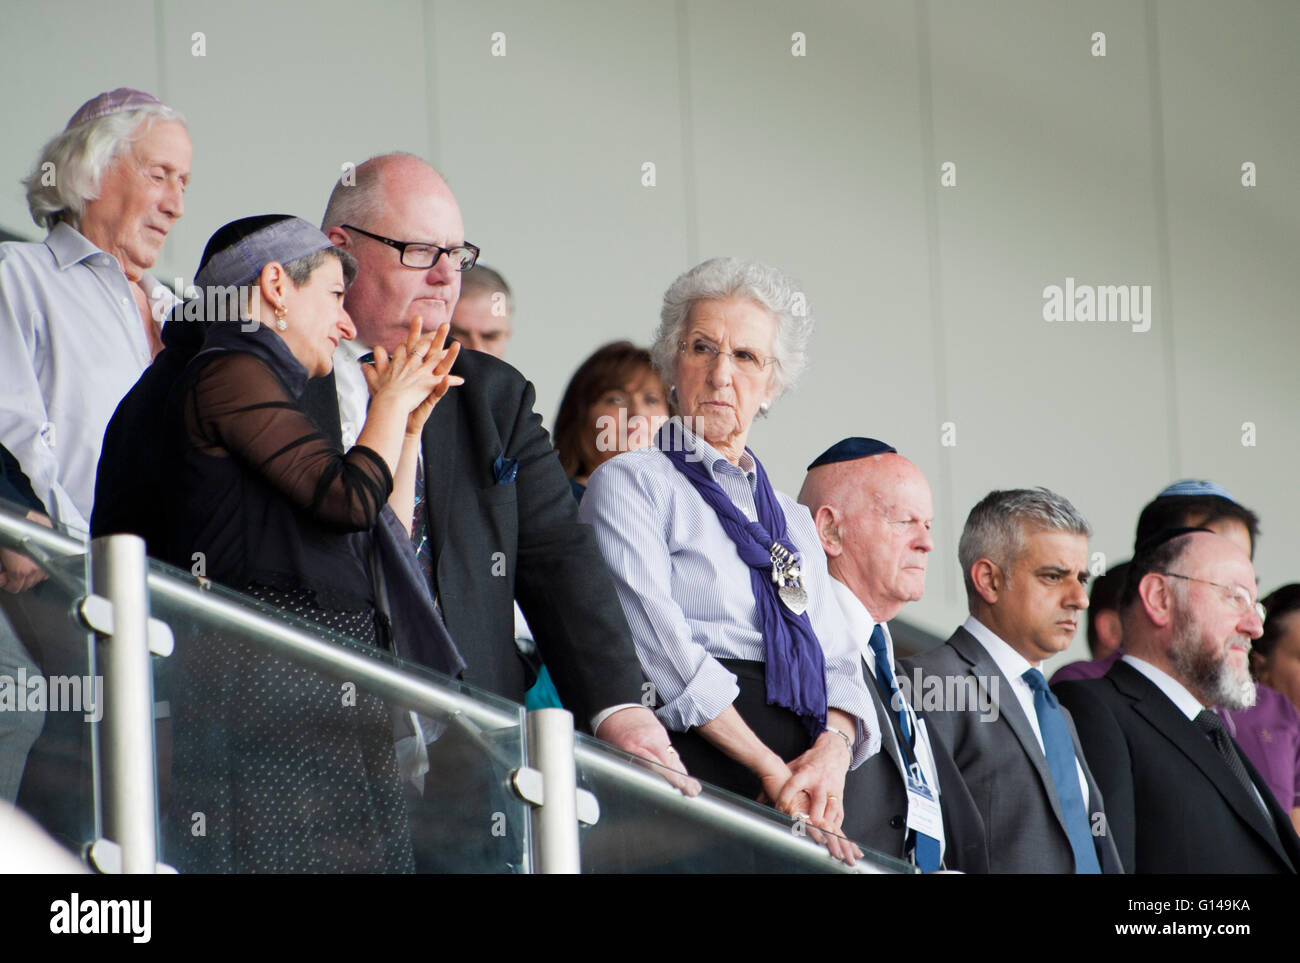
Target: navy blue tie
[1059,749]
[925,848]
[888,685]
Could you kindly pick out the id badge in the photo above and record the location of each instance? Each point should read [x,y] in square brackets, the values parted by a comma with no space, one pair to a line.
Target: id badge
[923,813]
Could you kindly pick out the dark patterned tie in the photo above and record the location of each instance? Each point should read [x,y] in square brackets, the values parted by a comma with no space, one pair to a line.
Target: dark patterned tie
[1209,722]
[420,531]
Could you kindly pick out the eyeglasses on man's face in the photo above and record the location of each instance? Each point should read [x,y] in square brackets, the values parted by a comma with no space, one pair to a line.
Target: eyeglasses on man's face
[422,256]
[1237,596]
[703,353]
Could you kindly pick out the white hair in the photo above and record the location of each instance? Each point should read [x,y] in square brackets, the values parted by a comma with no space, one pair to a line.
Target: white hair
[70,165]
[726,277]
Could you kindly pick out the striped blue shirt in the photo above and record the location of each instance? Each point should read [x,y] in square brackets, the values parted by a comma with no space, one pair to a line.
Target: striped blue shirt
[688,597]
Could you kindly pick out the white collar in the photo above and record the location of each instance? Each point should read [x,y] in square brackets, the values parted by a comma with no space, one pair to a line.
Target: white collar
[711,458]
[1174,690]
[1010,663]
[861,623]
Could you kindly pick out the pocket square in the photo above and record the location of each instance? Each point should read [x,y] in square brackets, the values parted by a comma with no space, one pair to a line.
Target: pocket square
[505,469]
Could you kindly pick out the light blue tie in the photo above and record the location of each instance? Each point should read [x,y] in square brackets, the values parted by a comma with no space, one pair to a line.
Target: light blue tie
[1059,749]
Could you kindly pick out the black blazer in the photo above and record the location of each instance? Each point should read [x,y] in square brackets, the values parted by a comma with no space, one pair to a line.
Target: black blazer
[881,780]
[1002,764]
[1174,805]
[520,539]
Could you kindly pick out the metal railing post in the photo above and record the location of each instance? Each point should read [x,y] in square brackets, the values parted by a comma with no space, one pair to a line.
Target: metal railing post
[554,823]
[119,572]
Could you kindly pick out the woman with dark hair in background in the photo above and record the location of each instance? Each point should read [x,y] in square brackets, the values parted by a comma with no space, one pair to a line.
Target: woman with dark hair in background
[615,402]
[289,775]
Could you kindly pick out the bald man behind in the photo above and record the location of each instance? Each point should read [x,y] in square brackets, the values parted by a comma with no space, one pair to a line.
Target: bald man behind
[495,517]
[873,512]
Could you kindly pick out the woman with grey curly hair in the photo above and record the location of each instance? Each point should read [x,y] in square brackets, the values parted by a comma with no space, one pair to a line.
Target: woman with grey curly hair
[722,579]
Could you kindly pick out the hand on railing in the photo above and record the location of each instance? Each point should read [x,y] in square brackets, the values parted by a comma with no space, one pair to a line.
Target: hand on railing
[638,731]
[18,572]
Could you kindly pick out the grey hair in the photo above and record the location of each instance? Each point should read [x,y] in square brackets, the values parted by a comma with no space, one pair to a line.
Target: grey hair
[996,527]
[230,303]
[725,277]
[483,280]
[78,158]
[302,268]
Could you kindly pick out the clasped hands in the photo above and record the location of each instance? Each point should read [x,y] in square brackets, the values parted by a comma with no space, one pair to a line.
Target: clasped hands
[810,788]
[417,373]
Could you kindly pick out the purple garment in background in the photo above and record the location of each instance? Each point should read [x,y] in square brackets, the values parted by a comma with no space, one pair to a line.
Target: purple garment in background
[1269,735]
[1085,670]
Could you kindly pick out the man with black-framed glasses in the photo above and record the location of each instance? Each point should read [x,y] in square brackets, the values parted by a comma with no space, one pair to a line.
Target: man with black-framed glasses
[495,517]
[1182,796]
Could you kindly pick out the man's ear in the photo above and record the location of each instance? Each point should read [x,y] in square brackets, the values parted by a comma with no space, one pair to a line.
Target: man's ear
[827,521]
[1157,599]
[988,580]
[339,237]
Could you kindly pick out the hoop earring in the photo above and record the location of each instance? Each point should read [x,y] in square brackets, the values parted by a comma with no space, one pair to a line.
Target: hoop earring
[280,323]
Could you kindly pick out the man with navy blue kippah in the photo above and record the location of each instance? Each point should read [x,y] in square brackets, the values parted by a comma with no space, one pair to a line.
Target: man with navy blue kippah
[873,511]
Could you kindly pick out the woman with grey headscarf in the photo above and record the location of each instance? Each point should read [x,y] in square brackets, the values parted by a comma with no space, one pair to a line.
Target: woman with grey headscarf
[291,776]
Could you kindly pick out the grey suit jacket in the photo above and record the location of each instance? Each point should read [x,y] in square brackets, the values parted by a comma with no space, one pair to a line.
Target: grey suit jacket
[1001,762]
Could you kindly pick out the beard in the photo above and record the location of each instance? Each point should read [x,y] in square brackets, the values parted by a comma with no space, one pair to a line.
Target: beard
[1206,667]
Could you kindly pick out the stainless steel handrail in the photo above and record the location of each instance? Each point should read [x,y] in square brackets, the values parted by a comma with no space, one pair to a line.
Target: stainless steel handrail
[430,697]
[718,812]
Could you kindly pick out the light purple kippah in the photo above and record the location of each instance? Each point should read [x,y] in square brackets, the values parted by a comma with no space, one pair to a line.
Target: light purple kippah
[282,240]
[112,102]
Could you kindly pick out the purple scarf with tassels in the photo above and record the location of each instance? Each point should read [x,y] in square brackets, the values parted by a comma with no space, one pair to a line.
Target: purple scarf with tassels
[793,659]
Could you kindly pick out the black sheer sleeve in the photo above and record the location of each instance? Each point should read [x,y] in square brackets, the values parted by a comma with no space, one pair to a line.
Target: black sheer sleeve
[14,486]
[238,408]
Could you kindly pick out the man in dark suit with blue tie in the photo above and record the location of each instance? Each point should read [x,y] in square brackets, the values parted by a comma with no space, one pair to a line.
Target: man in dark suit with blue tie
[873,511]
[1024,556]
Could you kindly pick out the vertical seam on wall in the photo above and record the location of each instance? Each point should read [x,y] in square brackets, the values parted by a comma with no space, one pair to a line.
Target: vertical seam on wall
[688,143]
[160,37]
[1160,189]
[929,191]
[431,88]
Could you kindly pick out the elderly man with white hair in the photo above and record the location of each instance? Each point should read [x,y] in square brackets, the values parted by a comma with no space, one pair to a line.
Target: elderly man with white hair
[80,318]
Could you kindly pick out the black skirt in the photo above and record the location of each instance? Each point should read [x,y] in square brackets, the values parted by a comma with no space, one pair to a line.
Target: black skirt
[278,768]
[779,729]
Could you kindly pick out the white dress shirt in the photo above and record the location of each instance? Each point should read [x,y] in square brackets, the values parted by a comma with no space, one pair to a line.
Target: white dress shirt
[688,597]
[1177,693]
[1013,665]
[72,344]
[861,623]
